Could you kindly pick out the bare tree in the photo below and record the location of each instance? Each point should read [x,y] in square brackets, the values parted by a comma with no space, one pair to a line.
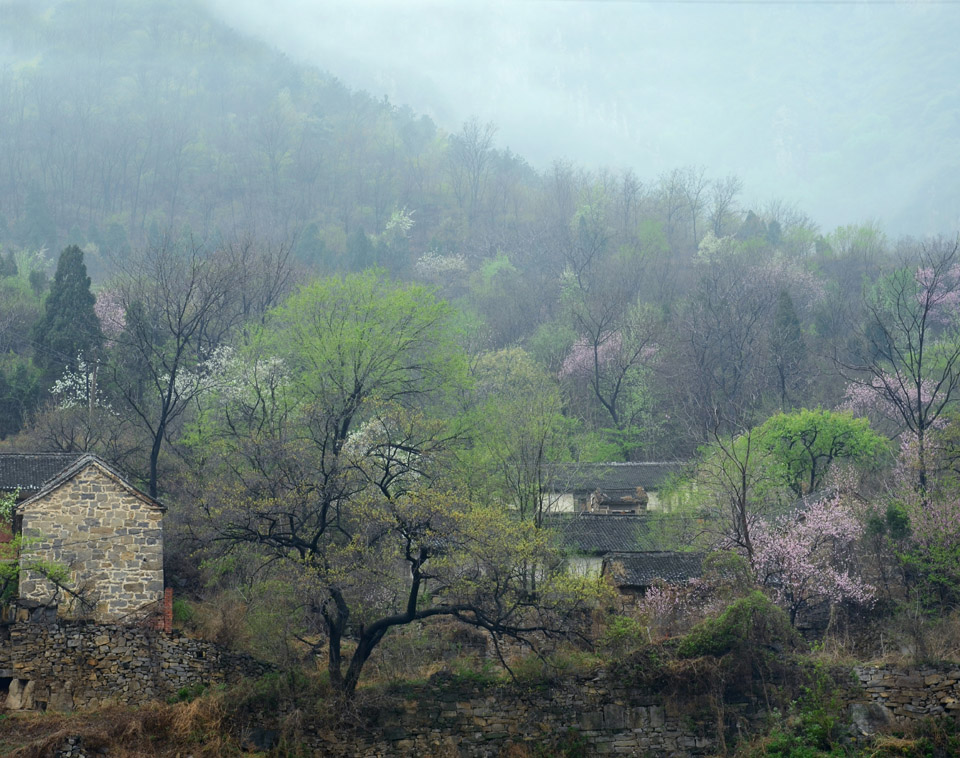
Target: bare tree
[909,362]
[182,304]
[470,154]
[723,206]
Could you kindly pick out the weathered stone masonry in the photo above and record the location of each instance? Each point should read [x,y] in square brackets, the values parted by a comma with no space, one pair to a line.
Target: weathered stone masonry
[451,718]
[73,665]
[107,534]
[76,665]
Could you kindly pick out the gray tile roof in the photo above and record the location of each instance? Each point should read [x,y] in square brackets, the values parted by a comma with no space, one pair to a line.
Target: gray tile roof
[586,478]
[644,568]
[601,533]
[29,471]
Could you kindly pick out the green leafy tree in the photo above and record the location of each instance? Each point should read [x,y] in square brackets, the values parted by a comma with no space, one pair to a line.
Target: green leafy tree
[330,455]
[8,265]
[361,252]
[518,430]
[69,326]
[19,392]
[806,443]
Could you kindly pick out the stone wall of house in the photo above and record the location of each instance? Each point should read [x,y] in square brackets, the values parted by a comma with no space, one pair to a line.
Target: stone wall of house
[110,541]
[74,664]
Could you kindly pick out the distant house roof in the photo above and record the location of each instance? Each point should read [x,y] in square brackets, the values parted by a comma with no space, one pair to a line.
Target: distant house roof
[28,472]
[78,465]
[610,477]
[601,533]
[644,568]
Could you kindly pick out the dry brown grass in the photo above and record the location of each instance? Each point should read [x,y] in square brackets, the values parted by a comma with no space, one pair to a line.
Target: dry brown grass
[157,730]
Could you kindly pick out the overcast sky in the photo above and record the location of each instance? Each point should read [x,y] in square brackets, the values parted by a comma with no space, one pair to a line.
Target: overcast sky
[852,111]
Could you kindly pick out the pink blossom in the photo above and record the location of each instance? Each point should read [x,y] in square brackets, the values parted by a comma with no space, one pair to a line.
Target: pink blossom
[580,359]
[939,292]
[885,395]
[936,523]
[668,608]
[808,556]
[609,350]
[110,310]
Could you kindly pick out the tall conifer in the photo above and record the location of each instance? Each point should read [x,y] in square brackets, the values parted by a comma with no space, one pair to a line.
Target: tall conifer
[69,326]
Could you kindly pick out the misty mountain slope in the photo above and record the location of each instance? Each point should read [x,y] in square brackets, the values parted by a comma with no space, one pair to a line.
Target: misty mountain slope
[129,119]
[124,120]
[842,108]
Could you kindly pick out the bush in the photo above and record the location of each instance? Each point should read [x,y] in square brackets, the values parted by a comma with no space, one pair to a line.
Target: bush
[752,621]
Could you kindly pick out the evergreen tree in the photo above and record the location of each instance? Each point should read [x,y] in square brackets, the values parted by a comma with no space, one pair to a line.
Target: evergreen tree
[69,325]
[8,265]
[360,251]
[787,347]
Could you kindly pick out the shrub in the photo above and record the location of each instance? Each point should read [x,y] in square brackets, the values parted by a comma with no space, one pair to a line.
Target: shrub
[752,621]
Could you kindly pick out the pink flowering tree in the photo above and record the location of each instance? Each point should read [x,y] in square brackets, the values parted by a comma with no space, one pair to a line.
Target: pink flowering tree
[111,312]
[807,556]
[909,365]
[614,362]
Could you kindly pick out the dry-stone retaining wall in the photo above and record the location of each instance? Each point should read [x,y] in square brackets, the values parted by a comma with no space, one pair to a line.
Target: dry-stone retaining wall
[74,665]
[451,718]
[447,718]
[70,665]
[912,693]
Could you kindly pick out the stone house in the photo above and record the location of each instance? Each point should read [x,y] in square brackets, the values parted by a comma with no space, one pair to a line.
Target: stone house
[91,522]
[587,538]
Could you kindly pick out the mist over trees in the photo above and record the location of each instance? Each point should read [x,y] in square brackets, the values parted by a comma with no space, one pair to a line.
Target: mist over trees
[338,336]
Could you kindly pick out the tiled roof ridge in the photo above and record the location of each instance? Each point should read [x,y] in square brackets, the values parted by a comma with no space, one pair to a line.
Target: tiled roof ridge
[29,471]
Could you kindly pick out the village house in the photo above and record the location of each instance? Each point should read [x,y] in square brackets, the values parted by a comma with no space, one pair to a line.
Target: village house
[621,546]
[103,535]
[633,573]
[612,487]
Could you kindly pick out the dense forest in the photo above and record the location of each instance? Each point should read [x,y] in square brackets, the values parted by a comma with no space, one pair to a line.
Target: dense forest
[209,140]
[334,336]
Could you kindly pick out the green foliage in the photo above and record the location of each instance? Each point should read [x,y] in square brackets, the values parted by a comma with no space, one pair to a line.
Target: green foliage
[8,501]
[188,694]
[362,339]
[787,346]
[550,343]
[183,612]
[8,265]
[805,443]
[15,557]
[622,634]
[20,392]
[69,326]
[753,621]
[814,726]
[928,738]
[517,430]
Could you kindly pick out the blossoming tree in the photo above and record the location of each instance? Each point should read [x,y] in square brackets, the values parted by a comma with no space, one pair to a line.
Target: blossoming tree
[807,556]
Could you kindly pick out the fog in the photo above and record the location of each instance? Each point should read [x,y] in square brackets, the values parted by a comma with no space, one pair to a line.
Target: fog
[851,111]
